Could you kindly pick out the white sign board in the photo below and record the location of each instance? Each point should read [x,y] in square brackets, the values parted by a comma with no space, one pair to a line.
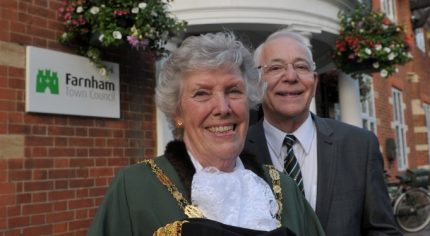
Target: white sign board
[62,83]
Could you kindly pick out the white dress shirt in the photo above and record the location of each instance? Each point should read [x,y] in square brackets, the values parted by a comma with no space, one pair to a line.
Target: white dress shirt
[305,150]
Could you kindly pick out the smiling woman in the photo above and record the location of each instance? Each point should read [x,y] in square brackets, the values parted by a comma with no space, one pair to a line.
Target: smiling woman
[206,88]
[190,58]
[214,111]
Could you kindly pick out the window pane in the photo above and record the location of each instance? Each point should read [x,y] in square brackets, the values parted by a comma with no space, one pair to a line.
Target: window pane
[367,105]
[371,109]
[419,39]
[399,126]
[389,8]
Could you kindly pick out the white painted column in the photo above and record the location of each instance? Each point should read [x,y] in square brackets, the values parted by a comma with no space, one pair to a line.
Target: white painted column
[164,133]
[313,106]
[349,100]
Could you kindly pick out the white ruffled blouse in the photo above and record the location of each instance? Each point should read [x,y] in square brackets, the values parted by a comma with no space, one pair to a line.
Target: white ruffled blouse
[239,198]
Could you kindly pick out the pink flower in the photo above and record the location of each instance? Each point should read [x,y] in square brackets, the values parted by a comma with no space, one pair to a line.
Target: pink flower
[120,12]
[133,41]
[67,16]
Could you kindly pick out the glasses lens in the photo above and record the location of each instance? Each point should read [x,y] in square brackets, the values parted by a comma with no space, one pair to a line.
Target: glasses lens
[273,69]
[302,67]
[276,69]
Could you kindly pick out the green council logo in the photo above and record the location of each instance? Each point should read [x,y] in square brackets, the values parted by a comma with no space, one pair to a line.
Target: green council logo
[47,79]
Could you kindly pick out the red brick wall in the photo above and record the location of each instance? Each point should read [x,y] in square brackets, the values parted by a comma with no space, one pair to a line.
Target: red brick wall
[416,91]
[54,170]
[412,91]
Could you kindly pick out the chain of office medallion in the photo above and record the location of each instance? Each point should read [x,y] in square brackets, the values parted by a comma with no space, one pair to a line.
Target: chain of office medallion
[277,190]
[182,202]
[189,209]
[193,211]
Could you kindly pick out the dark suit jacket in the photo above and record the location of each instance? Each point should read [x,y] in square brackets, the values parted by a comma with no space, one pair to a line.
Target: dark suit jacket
[352,196]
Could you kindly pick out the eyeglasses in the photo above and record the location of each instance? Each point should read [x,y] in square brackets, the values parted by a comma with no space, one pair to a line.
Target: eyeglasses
[277,68]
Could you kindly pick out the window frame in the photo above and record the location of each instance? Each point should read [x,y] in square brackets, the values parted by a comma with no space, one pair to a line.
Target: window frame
[399,127]
[368,115]
[420,40]
[389,8]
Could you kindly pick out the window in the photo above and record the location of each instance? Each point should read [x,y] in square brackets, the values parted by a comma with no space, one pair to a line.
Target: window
[367,103]
[389,8]
[399,127]
[419,39]
[427,112]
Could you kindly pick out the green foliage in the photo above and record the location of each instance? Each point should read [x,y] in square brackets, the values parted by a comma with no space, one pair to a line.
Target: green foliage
[92,26]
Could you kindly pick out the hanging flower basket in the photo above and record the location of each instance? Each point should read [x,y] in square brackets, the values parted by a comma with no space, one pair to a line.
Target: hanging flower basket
[93,26]
[369,42]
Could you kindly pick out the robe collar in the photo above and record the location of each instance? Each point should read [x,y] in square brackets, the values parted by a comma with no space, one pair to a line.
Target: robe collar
[176,153]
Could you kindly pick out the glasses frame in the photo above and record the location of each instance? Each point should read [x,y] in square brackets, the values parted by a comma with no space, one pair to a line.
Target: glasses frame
[311,65]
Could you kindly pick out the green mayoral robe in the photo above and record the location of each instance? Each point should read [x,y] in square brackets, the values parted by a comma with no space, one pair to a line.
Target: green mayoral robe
[137,203]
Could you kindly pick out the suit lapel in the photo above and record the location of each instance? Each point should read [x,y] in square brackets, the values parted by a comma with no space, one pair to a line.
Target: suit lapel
[326,158]
[327,155]
[256,143]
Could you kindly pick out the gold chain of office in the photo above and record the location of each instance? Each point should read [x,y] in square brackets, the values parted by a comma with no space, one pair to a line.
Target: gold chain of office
[192,211]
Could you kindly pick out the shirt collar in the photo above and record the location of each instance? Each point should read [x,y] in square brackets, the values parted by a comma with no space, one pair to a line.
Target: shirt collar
[274,136]
[304,134]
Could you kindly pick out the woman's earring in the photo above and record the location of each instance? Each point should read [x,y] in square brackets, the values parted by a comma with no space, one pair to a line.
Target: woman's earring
[179,124]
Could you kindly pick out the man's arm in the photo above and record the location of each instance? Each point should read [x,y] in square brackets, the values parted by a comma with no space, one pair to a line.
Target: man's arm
[378,218]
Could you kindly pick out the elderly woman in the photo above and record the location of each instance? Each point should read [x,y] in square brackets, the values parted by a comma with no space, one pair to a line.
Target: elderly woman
[200,185]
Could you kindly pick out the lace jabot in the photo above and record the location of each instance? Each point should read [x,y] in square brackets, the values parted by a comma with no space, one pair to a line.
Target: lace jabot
[239,198]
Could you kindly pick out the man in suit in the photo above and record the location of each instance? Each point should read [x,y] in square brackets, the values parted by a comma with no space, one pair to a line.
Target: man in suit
[340,166]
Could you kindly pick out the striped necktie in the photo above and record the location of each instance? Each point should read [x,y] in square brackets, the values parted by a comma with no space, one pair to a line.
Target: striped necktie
[291,165]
